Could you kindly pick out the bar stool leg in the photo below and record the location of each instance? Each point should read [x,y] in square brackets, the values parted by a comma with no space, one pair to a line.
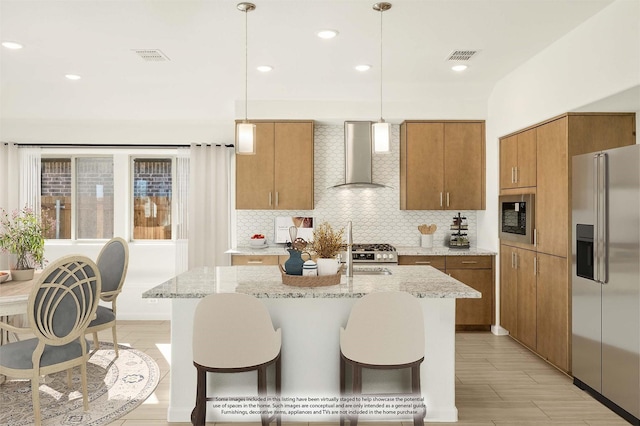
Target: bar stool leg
[278,389]
[262,393]
[418,415]
[357,391]
[199,413]
[342,386]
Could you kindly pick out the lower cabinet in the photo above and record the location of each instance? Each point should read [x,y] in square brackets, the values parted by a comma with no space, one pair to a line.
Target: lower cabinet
[534,302]
[475,271]
[553,310]
[258,260]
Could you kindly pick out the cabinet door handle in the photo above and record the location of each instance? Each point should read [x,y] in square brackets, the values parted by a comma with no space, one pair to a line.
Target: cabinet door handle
[513,179]
[422,262]
[535,265]
[447,199]
[254,261]
[441,199]
[469,262]
[535,237]
[270,199]
[277,198]
[513,260]
[516,178]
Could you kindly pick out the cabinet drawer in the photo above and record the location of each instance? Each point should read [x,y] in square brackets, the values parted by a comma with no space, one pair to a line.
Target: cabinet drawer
[437,262]
[469,262]
[237,260]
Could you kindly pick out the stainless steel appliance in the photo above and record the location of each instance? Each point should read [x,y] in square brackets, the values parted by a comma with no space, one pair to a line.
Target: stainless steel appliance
[517,218]
[372,254]
[358,156]
[606,278]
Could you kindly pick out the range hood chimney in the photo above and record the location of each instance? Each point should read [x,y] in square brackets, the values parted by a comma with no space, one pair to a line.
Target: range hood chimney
[358,156]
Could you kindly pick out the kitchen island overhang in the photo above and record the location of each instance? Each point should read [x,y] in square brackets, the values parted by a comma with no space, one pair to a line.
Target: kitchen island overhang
[310,319]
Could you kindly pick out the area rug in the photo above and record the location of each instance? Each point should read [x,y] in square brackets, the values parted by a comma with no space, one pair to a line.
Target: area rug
[116,386]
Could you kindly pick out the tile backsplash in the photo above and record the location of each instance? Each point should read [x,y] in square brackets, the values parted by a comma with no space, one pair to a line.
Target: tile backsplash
[375,212]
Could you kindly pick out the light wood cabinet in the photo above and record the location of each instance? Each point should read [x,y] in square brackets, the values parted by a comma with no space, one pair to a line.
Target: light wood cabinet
[280,175]
[545,322]
[257,260]
[518,160]
[442,165]
[518,294]
[552,310]
[438,262]
[475,271]
[478,273]
[552,194]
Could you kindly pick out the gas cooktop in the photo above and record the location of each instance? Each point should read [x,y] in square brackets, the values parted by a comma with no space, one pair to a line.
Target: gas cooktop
[372,253]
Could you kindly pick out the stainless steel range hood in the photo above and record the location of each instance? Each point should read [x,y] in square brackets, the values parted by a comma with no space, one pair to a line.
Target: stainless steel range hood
[358,156]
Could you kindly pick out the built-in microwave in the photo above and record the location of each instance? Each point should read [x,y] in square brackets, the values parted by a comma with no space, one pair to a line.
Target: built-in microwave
[517,218]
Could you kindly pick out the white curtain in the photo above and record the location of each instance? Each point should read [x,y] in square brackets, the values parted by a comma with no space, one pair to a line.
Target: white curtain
[9,177]
[30,162]
[19,181]
[182,210]
[209,230]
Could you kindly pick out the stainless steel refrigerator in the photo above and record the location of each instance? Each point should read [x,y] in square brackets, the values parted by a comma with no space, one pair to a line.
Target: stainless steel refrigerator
[606,278]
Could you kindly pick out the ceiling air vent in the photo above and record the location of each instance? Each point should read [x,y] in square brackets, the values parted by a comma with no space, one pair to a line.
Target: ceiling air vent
[461,55]
[151,55]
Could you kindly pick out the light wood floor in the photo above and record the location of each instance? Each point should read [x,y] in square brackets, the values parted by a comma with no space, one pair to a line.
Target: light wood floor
[498,382]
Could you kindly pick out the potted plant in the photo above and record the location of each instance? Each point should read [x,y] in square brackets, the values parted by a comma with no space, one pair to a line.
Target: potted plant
[327,243]
[22,234]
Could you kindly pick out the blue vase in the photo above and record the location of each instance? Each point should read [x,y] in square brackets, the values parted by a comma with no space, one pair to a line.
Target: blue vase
[293,265]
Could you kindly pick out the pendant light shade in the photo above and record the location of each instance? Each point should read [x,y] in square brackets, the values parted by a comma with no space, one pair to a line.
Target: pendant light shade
[381,130]
[245,138]
[245,131]
[381,137]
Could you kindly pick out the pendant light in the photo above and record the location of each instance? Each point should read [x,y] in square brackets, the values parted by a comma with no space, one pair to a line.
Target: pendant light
[381,129]
[245,131]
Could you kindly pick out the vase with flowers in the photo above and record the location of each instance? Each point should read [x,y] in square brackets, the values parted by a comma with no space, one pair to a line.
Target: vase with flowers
[22,235]
[327,244]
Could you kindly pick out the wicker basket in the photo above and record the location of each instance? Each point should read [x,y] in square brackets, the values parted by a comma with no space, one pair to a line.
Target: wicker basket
[310,280]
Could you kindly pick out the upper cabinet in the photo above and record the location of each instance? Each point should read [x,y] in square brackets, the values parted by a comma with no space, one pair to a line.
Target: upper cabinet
[518,160]
[280,175]
[442,165]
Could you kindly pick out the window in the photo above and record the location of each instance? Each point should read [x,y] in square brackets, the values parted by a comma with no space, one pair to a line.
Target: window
[78,192]
[152,188]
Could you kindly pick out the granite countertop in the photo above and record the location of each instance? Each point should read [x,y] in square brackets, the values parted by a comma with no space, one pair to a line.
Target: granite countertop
[280,250]
[266,282]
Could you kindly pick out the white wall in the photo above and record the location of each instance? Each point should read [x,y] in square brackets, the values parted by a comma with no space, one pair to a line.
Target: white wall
[598,59]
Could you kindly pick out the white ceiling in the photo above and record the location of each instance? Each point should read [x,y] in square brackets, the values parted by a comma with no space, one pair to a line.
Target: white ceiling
[205,41]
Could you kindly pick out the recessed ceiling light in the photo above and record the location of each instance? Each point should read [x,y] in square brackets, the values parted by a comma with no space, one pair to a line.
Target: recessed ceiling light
[265,68]
[363,67]
[327,34]
[73,76]
[12,45]
[459,67]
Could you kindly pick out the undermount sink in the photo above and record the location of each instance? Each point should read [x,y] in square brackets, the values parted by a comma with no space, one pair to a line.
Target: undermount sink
[369,271]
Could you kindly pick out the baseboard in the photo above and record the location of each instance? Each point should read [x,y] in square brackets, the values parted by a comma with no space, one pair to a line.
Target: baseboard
[499,331]
[607,402]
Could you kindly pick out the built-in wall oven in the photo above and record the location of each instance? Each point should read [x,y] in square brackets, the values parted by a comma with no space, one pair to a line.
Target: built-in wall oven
[517,218]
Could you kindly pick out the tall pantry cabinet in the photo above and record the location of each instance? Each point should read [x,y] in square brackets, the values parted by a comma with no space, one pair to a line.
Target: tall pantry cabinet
[535,279]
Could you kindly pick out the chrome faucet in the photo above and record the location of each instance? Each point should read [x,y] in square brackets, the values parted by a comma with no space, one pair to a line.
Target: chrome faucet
[349,260]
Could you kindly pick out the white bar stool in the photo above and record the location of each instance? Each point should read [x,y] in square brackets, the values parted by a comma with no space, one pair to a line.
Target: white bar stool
[233,333]
[385,330]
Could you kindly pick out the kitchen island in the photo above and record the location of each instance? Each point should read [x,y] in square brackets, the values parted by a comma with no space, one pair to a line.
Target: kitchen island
[310,319]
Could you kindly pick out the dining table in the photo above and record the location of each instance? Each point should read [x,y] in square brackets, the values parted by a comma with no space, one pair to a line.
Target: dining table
[14,296]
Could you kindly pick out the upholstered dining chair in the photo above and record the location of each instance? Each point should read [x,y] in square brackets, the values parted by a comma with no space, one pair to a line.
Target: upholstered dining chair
[62,303]
[233,333]
[113,262]
[385,330]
